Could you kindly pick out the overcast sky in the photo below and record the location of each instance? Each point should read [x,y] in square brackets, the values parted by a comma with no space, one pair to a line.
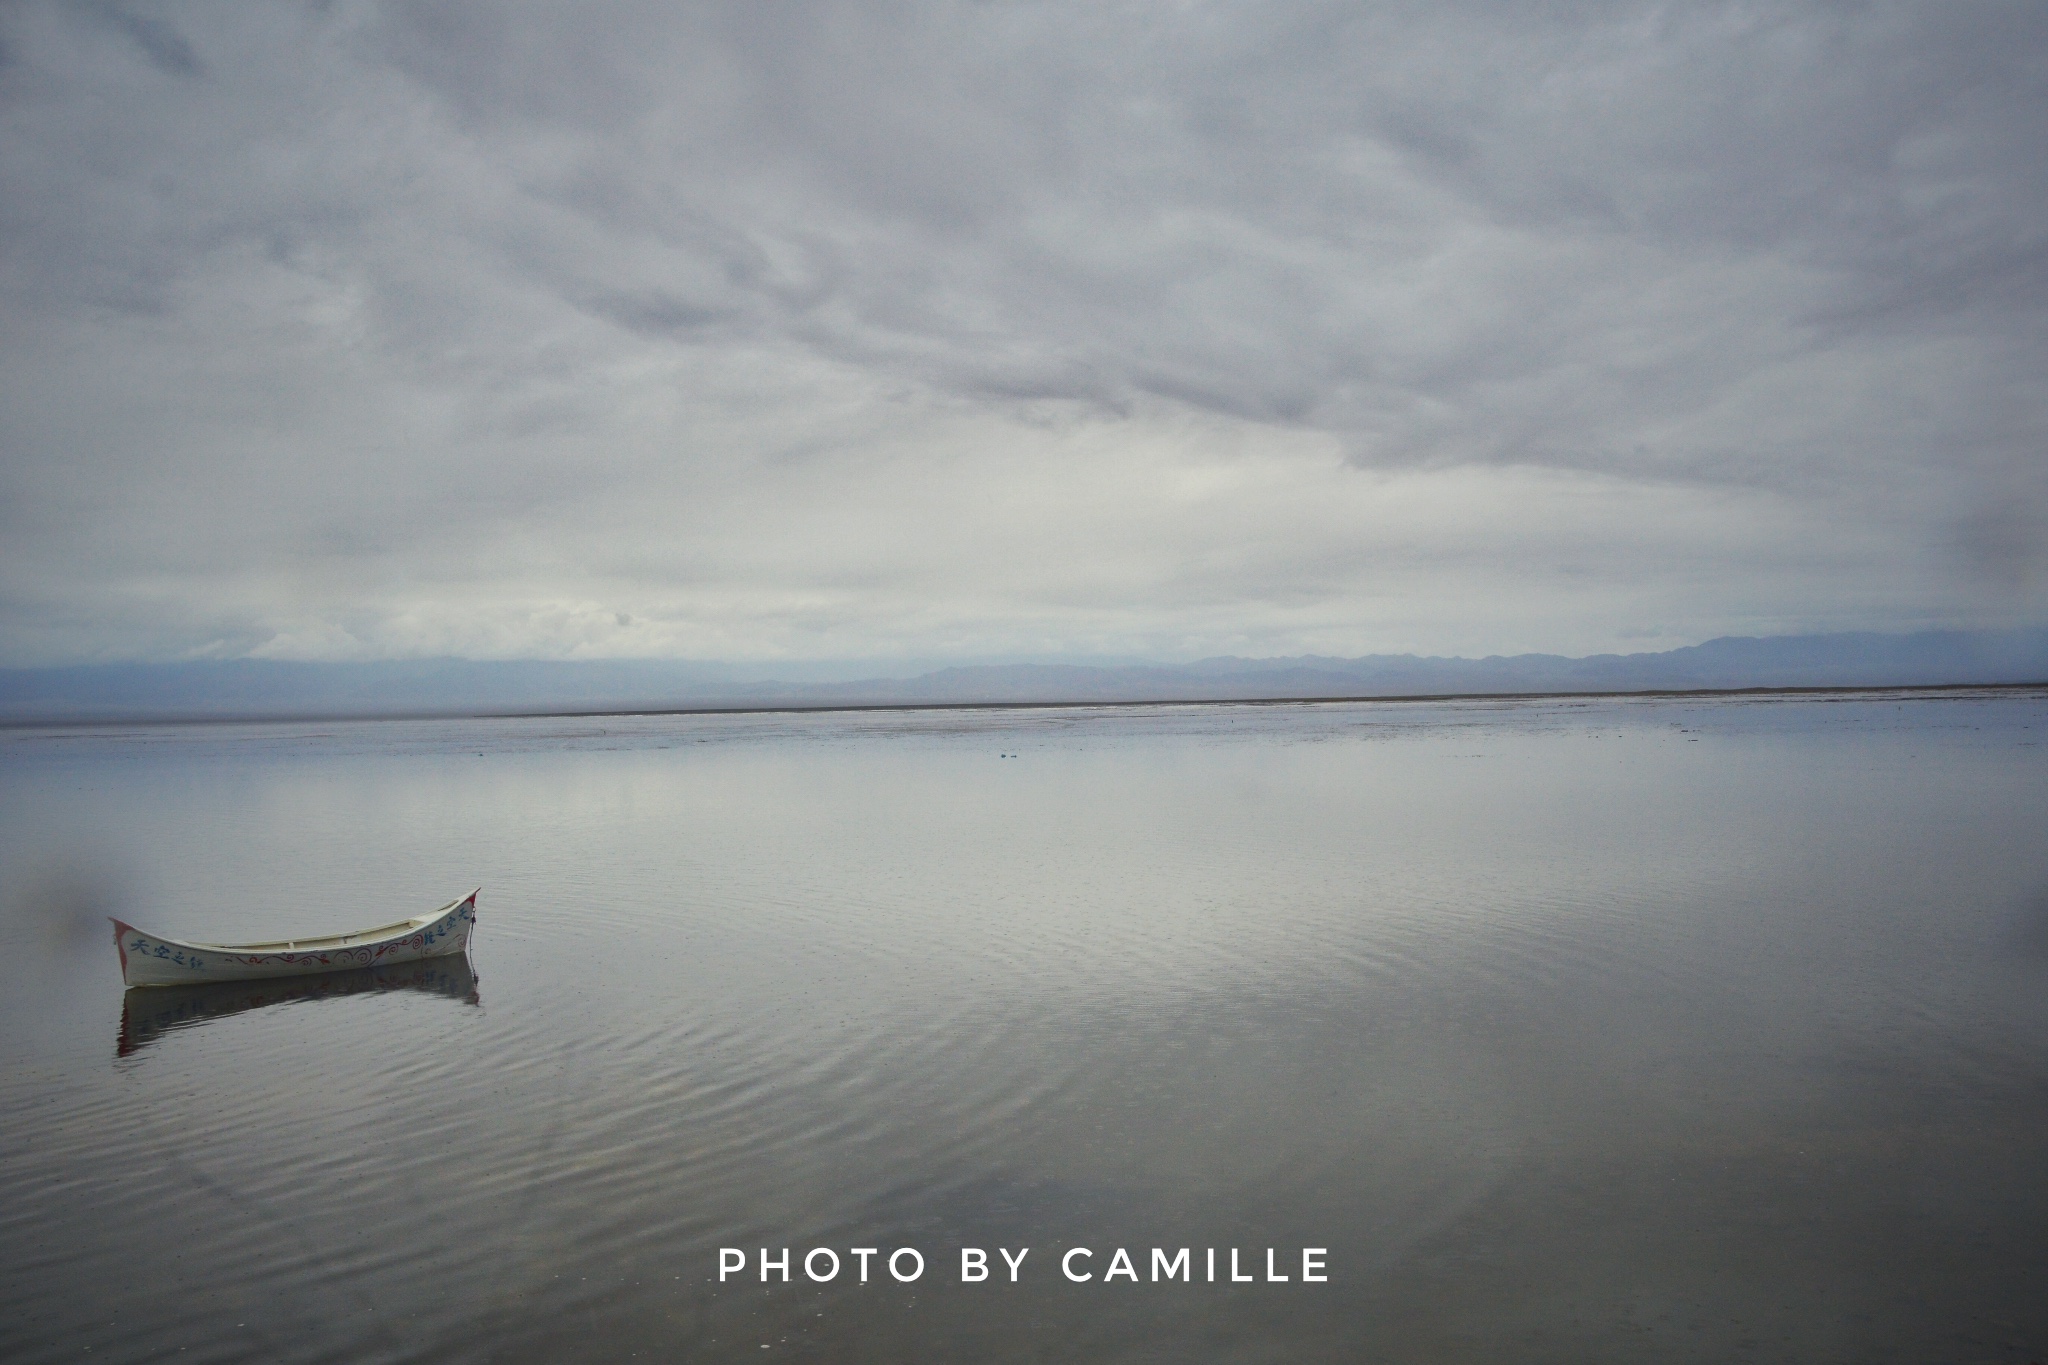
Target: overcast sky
[977,331]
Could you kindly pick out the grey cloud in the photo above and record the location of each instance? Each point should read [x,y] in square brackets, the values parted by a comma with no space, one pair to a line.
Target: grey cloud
[531,263]
[159,41]
[654,312]
[918,184]
[2004,544]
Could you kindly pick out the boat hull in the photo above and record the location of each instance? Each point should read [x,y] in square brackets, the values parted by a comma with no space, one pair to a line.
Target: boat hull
[153,960]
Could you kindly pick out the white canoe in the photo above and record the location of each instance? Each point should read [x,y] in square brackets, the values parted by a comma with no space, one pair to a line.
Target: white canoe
[152,960]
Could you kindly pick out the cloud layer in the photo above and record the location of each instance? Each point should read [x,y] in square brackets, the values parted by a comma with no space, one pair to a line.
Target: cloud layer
[832,330]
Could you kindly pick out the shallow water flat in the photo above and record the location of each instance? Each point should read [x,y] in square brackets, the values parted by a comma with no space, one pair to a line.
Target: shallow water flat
[1629,1030]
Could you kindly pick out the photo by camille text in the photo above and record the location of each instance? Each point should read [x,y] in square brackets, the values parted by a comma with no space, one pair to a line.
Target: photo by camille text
[1077,1265]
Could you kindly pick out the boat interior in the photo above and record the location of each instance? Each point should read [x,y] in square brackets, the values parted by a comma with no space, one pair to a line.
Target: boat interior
[332,940]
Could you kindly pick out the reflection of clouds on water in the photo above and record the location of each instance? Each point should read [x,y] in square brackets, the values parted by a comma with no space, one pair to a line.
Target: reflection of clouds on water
[2027,934]
[1658,1003]
[55,907]
[61,908]
[148,1013]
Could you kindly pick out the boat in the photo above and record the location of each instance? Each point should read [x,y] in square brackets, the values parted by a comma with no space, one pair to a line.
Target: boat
[153,960]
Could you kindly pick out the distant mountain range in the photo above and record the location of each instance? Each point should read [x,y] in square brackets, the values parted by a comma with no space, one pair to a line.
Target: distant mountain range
[272,688]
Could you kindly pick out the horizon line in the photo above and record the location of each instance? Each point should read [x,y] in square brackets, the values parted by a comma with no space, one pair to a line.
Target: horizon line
[826,708]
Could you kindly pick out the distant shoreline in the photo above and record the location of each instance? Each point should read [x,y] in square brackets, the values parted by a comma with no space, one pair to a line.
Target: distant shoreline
[1914,690]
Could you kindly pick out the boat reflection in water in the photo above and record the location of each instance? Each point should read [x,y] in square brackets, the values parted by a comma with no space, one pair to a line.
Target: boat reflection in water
[148,1013]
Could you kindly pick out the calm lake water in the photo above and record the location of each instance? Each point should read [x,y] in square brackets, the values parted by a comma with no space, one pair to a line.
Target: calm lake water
[1640,1031]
